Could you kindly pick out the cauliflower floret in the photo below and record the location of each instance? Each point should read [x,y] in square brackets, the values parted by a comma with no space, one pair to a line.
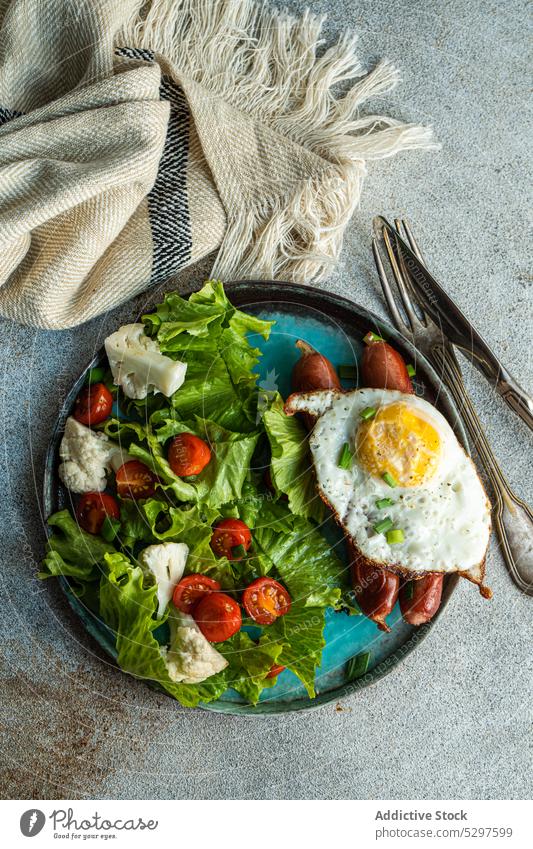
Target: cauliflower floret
[85,457]
[138,365]
[166,562]
[190,658]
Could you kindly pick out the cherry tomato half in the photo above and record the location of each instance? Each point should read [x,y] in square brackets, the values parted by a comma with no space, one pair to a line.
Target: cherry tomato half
[275,671]
[92,509]
[188,454]
[264,600]
[191,589]
[135,480]
[93,404]
[218,617]
[229,534]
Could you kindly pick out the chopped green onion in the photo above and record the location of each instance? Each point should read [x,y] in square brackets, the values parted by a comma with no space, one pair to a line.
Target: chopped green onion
[368,413]
[95,375]
[384,502]
[347,372]
[409,589]
[346,458]
[388,478]
[357,666]
[110,528]
[372,337]
[411,370]
[383,526]
[395,536]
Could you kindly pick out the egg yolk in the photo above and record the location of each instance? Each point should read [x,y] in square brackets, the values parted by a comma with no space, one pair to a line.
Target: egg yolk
[399,441]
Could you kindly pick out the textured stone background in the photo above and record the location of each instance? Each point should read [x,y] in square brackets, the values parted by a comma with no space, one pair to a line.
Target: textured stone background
[454,719]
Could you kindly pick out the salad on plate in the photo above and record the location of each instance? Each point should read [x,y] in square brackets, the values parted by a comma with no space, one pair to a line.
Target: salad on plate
[195,531]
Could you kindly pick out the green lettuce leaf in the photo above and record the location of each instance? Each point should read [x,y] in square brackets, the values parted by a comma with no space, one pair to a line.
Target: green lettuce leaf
[291,468]
[209,334]
[249,664]
[73,552]
[304,561]
[301,633]
[178,316]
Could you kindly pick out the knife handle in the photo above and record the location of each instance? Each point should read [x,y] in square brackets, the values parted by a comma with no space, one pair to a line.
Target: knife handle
[481,356]
[513,395]
[513,518]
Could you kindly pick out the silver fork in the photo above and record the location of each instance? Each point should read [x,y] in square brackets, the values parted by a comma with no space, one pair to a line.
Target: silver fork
[512,517]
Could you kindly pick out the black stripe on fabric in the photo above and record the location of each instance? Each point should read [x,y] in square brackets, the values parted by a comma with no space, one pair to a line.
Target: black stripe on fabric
[168,205]
[8,115]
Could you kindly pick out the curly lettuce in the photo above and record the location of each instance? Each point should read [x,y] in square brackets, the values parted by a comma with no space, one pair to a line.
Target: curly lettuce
[291,468]
[219,403]
[210,335]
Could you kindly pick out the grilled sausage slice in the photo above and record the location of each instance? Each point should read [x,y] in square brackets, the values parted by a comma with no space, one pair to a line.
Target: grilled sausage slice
[384,368]
[420,600]
[312,371]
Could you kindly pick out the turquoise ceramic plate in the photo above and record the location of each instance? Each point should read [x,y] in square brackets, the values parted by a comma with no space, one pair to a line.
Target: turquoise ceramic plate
[334,326]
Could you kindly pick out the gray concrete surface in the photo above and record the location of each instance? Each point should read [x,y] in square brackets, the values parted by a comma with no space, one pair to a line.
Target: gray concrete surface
[453,721]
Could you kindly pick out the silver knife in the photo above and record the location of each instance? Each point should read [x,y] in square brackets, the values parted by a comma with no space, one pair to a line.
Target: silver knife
[462,333]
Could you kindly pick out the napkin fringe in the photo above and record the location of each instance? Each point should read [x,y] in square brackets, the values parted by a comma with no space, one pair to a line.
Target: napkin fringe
[268,64]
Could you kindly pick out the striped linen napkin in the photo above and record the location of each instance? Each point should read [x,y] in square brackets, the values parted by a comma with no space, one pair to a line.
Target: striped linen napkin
[137,138]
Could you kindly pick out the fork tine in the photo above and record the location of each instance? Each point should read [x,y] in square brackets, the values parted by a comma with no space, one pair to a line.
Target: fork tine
[416,306]
[399,322]
[398,276]
[413,244]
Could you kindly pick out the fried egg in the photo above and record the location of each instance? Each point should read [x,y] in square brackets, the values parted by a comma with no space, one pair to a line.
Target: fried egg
[401,470]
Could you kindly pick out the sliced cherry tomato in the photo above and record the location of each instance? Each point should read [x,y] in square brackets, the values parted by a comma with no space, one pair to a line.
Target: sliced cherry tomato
[275,671]
[135,480]
[218,617]
[188,454]
[93,404]
[92,509]
[228,535]
[264,600]
[191,589]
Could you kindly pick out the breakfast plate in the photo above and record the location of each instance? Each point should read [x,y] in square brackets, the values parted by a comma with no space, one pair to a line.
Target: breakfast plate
[334,326]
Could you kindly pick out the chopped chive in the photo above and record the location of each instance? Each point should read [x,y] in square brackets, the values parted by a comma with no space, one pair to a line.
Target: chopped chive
[409,590]
[95,375]
[411,371]
[372,337]
[368,413]
[395,536]
[347,372]
[346,458]
[383,526]
[384,502]
[389,480]
[357,666]
[109,528]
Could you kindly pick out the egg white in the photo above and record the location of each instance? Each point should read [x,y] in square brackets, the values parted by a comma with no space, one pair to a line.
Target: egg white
[445,520]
